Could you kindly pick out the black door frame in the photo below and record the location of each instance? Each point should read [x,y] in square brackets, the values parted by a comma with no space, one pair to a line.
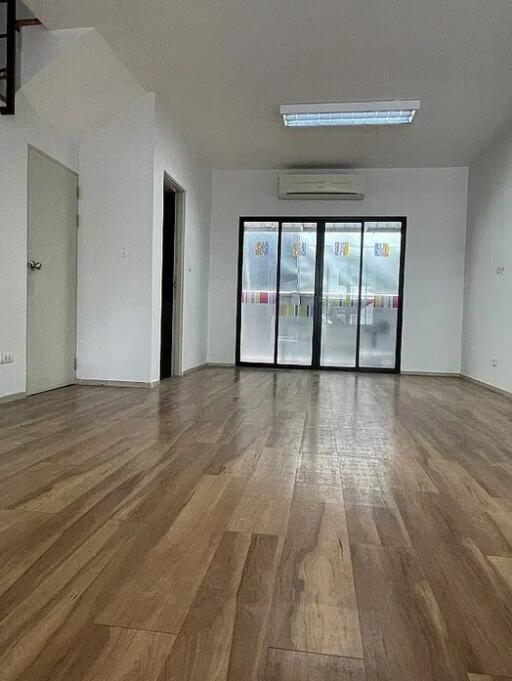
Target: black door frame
[317,325]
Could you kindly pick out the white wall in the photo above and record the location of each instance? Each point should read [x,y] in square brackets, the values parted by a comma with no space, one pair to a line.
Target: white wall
[124,144]
[120,245]
[50,58]
[121,165]
[487,310]
[115,247]
[434,202]
[40,47]
[16,133]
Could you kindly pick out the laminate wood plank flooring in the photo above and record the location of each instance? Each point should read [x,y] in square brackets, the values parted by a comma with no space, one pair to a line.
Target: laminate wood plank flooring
[404,634]
[254,525]
[227,619]
[114,654]
[288,665]
[504,567]
[162,587]
[315,602]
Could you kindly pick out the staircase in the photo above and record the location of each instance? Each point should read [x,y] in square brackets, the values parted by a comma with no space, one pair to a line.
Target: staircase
[13,17]
[7,56]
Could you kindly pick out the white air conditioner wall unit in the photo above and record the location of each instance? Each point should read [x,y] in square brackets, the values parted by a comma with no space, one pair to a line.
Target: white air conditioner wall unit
[332,186]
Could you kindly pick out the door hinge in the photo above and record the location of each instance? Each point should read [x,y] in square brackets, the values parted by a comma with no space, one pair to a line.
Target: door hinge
[75,364]
[77,220]
[77,192]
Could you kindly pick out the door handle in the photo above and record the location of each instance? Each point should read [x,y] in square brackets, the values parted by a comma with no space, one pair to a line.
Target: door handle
[33,265]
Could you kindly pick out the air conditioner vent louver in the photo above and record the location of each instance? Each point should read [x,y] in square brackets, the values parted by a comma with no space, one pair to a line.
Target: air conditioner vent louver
[336,186]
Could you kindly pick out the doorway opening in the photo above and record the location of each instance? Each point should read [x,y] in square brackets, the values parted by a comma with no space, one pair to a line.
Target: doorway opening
[168,282]
[171,320]
[321,293]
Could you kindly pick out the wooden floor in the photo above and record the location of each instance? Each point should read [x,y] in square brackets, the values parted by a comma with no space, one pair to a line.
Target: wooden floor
[279,526]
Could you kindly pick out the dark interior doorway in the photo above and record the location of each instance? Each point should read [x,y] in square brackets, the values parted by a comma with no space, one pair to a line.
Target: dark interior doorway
[168,251]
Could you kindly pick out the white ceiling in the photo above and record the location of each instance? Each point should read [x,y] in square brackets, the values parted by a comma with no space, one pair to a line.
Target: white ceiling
[225,66]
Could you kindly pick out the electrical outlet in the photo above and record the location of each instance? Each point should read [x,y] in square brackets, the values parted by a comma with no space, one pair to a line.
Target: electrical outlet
[7,358]
[494,362]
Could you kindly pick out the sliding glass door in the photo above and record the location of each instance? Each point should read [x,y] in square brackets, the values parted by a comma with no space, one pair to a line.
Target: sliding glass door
[321,293]
[340,294]
[380,294]
[257,318]
[297,267]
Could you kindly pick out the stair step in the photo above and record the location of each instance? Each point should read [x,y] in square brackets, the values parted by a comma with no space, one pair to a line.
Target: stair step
[21,23]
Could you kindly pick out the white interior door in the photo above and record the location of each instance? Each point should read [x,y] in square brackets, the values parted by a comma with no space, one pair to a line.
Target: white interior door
[51,271]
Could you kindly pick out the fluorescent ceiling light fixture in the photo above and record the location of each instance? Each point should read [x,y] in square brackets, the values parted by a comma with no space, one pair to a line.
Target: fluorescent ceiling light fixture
[349,114]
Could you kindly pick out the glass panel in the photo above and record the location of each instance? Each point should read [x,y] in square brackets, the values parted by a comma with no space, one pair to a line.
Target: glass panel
[297,293]
[379,294]
[258,304]
[340,295]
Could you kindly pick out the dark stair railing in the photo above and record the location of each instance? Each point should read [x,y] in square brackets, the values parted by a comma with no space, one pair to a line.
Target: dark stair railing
[8,69]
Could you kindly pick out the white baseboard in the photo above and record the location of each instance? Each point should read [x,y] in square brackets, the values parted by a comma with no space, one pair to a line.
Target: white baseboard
[117,384]
[449,374]
[209,365]
[194,369]
[434,374]
[12,398]
[488,386]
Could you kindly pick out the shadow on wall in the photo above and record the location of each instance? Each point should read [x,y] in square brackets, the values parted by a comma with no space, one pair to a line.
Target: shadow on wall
[73,80]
